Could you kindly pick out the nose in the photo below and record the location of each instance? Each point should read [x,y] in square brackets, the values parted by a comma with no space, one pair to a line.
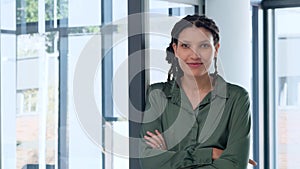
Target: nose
[195,54]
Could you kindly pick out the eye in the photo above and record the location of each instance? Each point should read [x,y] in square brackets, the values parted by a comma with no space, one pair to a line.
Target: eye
[205,45]
[183,45]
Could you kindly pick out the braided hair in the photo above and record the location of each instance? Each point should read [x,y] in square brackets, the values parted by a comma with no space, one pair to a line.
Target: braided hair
[190,20]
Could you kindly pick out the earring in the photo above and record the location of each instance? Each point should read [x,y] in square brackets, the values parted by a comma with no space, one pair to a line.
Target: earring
[215,75]
[215,66]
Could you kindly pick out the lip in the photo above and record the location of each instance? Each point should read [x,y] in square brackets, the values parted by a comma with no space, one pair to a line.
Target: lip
[194,65]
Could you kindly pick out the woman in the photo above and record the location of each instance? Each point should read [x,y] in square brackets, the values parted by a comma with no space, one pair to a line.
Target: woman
[195,119]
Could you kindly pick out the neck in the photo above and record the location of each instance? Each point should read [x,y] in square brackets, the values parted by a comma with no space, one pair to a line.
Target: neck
[199,83]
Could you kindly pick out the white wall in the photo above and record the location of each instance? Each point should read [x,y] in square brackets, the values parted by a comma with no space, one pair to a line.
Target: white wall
[8,101]
[8,87]
[234,20]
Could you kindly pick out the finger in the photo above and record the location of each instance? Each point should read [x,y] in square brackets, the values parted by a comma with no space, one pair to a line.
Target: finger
[161,138]
[151,144]
[150,139]
[155,137]
[217,153]
[252,162]
[157,140]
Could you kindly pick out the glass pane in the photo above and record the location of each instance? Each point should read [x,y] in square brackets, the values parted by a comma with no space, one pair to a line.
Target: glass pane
[87,136]
[56,9]
[82,13]
[119,134]
[119,13]
[7,17]
[163,7]
[37,100]
[287,87]
[84,128]
[163,16]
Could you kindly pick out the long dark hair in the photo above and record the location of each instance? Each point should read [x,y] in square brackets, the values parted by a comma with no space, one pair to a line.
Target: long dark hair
[175,71]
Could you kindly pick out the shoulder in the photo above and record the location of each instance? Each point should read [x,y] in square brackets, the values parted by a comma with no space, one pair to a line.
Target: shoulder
[236,90]
[229,90]
[238,96]
[158,90]
[159,85]
[238,101]
[163,87]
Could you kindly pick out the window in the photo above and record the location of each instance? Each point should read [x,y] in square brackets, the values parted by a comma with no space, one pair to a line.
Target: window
[27,101]
[287,85]
[42,45]
[279,92]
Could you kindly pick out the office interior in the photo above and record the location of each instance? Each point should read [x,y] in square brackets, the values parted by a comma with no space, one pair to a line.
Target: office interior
[74,76]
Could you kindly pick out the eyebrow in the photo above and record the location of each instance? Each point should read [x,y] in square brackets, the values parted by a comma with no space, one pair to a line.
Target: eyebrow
[186,41]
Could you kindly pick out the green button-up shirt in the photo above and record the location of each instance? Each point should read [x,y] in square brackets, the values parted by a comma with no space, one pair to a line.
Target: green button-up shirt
[221,120]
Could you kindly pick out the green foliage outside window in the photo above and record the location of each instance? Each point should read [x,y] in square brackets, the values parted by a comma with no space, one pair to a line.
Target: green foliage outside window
[27,10]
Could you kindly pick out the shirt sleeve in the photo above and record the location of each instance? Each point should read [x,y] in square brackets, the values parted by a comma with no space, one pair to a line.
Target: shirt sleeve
[236,154]
[166,159]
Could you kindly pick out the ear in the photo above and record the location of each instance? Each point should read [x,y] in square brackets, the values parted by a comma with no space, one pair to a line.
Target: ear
[217,46]
[174,49]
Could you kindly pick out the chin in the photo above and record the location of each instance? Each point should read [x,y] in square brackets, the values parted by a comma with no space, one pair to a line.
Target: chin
[195,72]
[196,75]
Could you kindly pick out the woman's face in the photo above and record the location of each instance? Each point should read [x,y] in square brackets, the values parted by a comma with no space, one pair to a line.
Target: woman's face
[195,51]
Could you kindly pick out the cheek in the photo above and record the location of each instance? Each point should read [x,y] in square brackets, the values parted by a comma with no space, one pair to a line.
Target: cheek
[179,54]
[183,53]
[208,62]
[208,58]
[181,62]
[208,55]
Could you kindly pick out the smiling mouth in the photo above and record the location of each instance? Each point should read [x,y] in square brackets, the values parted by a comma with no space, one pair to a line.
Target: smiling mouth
[194,65]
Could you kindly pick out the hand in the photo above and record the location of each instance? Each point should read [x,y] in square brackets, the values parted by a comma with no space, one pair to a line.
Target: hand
[216,153]
[252,162]
[156,140]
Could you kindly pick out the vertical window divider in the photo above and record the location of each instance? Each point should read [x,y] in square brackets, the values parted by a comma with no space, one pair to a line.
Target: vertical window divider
[63,151]
[0,95]
[107,75]
[266,98]
[255,84]
[273,111]
[136,73]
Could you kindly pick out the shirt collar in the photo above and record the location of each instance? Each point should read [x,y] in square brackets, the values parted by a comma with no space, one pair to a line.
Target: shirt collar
[220,90]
